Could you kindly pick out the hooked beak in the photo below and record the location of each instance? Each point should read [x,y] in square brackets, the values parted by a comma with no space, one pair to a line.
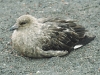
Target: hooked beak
[14,27]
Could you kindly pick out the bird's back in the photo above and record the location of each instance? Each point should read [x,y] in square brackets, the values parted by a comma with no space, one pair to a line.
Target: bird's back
[63,35]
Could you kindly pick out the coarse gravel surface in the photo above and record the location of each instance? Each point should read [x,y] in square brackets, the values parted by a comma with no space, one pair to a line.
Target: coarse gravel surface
[84,61]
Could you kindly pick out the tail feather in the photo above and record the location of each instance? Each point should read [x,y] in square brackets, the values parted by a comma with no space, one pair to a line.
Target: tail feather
[84,41]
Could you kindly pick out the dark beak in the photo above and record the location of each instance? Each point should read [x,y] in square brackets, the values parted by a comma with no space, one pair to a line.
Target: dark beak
[14,27]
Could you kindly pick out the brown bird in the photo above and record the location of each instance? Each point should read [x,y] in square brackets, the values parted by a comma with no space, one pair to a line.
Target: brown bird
[44,37]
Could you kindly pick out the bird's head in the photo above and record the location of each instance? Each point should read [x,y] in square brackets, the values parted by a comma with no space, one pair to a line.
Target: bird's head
[23,22]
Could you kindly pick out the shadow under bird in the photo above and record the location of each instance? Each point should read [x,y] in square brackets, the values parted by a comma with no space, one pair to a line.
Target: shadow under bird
[45,37]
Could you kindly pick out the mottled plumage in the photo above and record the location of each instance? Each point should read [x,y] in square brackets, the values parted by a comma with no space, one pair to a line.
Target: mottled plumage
[44,37]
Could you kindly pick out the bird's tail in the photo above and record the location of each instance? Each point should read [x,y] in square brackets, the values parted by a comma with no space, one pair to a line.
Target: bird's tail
[84,41]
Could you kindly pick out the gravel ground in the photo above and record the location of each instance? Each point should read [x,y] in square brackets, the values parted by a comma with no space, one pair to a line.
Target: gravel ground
[84,61]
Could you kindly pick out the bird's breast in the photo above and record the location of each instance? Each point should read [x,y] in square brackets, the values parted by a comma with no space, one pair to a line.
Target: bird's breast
[28,39]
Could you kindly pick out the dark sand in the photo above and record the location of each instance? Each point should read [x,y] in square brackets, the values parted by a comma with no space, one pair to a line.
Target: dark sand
[84,61]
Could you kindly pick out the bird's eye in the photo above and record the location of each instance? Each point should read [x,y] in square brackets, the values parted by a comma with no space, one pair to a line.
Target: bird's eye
[22,23]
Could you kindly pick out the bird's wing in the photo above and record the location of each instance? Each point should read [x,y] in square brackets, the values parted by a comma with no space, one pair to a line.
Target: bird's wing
[64,34]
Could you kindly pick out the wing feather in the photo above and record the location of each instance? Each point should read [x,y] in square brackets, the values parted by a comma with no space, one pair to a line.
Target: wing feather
[64,34]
